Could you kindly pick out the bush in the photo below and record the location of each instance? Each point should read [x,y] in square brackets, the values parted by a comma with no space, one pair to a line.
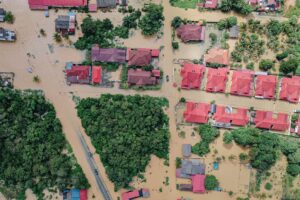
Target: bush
[176,22]
[282,55]
[182,100]
[175,45]
[250,66]
[213,38]
[266,64]
[178,162]
[243,156]
[227,23]
[289,66]
[268,186]
[9,17]
[227,138]
[211,182]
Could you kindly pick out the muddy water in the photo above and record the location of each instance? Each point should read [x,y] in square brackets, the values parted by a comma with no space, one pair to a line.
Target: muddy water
[33,50]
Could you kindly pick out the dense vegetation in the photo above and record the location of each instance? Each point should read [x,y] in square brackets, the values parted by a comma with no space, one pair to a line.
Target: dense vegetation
[152,21]
[239,6]
[126,131]
[208,134]
[33,150]
[227,23]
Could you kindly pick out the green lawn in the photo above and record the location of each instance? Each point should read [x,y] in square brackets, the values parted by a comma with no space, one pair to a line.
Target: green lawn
[185,3]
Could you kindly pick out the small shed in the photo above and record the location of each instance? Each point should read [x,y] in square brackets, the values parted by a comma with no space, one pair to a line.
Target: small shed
[185,187]
[186,150]
[234,32]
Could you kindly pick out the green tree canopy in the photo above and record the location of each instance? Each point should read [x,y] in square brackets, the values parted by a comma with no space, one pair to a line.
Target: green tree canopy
[211,182]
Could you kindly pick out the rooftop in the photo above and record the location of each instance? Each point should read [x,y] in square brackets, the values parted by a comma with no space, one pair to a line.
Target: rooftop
[192,76]
[290,89]
[191,32]
[242,83]
[216,79]
[196,112]
[108,54]
[267,120]
[265,86]
[227,115]
[140,77]
[139,57]
[217,56]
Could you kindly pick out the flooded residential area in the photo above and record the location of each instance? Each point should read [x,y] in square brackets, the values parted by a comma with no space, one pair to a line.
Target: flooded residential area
[231,80]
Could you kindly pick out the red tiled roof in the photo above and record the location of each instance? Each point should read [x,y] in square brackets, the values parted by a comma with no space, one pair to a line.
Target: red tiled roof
[216,80]
[217,56]
[266,86]
[191,32]
[156,73]
[198,182]
[78,74]
[252,2]
[290,89]
[140,77]
[83,194]
[155,52]
[130,195]
[192,75]
[211,4]
[238,118]
[139,57]
[97,75]
[43,4]
[92,7]
[108,54]
[196,112]
[265,120]
[242,82]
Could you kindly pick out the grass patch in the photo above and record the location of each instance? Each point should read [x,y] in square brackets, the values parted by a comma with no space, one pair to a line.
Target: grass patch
[185,3]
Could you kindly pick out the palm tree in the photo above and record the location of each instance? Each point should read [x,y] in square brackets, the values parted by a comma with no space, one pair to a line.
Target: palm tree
[36,79]
[57,37]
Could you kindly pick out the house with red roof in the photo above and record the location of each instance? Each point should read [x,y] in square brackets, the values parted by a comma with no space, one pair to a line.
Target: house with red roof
[141,77]
[192,75]
[290,89]
[130,195]
[242,83]
[191,32]
[217,56]
[265,86]
[198,182]
[196,112]
[111,55]
[269,120]
[45,4]
[227,115]
[141,56]
[216,79]
[209,4]
[78,74]
[96,75]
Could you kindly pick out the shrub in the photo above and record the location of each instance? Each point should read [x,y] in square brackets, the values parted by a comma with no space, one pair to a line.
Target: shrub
[178,162]
[227,138]
[211,182]
[176,22]
[266,64]
[282,55]
[175,45]
[289,66]
[9,17]
[268,186]
[243,156]
[213,38]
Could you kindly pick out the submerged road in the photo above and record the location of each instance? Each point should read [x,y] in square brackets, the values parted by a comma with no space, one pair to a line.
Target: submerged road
[89,156]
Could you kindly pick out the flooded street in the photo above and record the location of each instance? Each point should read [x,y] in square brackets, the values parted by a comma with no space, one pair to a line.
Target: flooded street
[47,59]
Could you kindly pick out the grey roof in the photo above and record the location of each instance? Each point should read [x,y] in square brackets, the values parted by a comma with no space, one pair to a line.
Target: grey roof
[106,3]
[2,11]
[185,187]
[234,32]
[62,22]
[192,167]
[186,150]
[7,35]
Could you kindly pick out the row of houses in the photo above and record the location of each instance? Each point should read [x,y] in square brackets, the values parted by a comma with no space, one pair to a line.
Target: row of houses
[226,116]
[92,5]
[243,82]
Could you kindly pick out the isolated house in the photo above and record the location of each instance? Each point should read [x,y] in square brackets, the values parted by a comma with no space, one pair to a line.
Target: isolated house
[45,4]
[290,89]
[211,4]
[234,32]
[242,83]
[130,195]
[191,32]
[2,14]
[66,24]
[217,56]
[78,74]
[196,112]
[96,75]
[106,3]
[271,121]
[75,194]
[198,182]
[265,86]
[226,115]
[108,54]
[7,35]
[216,79]
[192,76]
[140,77]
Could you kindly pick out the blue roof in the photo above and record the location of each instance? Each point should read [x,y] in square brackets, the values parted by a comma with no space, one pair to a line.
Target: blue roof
[75,194]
